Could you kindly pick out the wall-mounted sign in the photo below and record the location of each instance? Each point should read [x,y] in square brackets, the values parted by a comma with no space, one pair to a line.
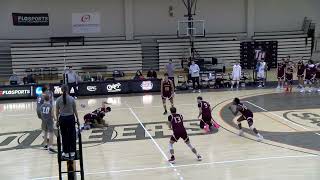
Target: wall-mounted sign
[24,19]
[86,23]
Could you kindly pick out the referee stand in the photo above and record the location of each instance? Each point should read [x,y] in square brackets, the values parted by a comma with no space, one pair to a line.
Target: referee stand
[71,171]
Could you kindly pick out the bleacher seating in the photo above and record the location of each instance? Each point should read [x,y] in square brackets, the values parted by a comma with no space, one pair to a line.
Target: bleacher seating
[115,55]
[295,44]
[225,49]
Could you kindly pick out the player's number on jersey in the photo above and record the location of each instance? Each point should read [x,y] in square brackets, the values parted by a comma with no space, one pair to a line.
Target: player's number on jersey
[45,110]
[205,105]
[177,120]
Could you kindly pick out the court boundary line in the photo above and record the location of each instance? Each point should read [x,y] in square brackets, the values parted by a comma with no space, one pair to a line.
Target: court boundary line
[298,125]
[154,142]
[192,165]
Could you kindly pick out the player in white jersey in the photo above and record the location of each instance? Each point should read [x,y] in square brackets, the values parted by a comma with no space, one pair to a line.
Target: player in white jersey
[236,75]
[261,73]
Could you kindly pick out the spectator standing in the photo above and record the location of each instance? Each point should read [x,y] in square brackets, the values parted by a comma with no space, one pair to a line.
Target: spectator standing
[170,69]
[194,72]
[72,79]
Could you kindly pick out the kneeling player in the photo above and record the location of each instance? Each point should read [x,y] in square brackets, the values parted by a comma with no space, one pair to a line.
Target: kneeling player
[175,121]
[204,113]
[167,92]
[246,115]
[95,119]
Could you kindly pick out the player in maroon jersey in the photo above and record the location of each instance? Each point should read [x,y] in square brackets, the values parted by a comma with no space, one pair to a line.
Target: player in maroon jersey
[281,73]
[95,118]
[246,114]
[167,92]
[289,76]
[310,75]
[175,122]
[318,76]
[204,113]
[300,72]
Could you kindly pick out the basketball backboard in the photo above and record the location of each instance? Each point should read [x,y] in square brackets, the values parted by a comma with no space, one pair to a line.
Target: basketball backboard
[195,28]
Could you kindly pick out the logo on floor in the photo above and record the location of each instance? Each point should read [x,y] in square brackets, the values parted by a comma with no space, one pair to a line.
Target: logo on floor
[114,133]
[303,118]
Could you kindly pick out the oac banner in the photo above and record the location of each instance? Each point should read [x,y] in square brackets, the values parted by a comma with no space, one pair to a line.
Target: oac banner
[24,19]
[86,23]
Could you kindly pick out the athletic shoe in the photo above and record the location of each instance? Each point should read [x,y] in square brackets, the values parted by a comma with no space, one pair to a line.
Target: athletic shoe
[172,160]
[194,91]
[302,90]
[260,86]
[259,137]
[310,90]
[51,150]
[165,112]
[278,87]
[199,91]
[45,147]
[199,157]
[240,132]
[318,90]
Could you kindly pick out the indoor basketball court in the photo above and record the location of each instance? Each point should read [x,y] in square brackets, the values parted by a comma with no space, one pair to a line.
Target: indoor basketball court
[135,145]
[160,90]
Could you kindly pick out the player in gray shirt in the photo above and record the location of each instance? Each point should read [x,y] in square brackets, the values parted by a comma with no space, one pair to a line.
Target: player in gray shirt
[47,125]
[66,111]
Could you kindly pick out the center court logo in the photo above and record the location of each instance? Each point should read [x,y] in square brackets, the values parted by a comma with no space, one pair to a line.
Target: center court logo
[114,133]
[146,85]
[303,118]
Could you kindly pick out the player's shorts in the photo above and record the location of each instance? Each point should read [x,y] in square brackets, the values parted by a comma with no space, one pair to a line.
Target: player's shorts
[289,78]
[249,120]
[261,75]
[167,95]
[47,125]
[300,74]
[236,78]
[281,77]
[205,120]
[177,135]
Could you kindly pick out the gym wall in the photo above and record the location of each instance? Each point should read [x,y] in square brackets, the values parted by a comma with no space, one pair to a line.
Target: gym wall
[154,17]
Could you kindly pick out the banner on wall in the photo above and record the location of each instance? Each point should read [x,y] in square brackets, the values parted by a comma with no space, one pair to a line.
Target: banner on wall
[86,23]
[24,19]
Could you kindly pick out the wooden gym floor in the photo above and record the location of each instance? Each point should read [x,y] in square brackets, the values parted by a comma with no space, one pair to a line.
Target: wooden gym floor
[290,124]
